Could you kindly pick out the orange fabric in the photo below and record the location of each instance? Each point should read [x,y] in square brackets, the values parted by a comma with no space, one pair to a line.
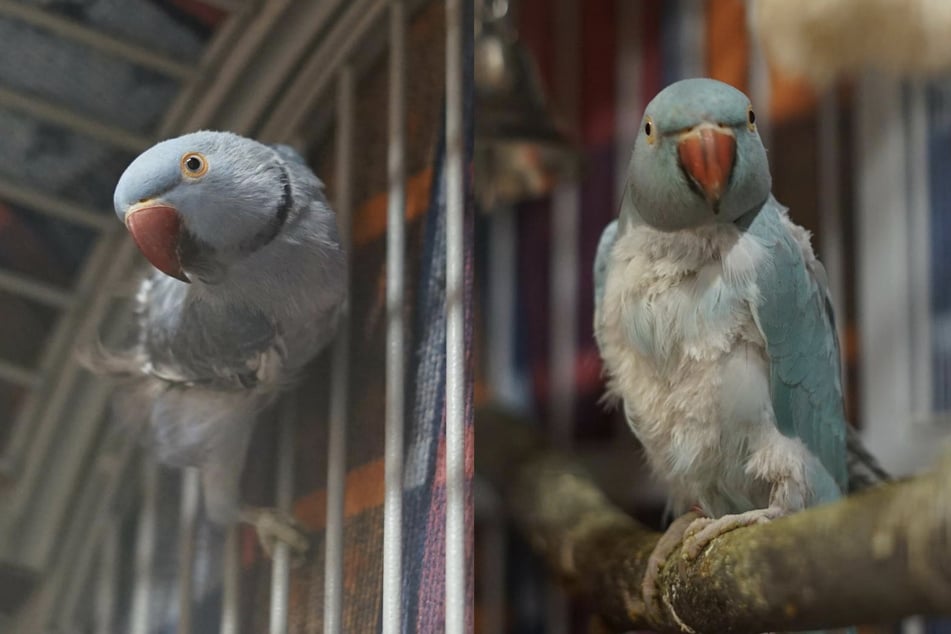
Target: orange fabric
[790,97]
[364,490]
[370,220]
[728,50]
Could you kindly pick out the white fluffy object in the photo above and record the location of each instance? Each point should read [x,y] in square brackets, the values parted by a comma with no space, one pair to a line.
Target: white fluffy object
[822,39]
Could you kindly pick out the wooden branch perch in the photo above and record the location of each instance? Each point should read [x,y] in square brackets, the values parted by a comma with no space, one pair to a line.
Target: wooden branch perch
[874,557]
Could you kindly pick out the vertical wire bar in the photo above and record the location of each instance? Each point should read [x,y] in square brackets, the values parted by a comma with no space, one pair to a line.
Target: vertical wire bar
[562,346]
[918,187]
[231,583]
[563,326]
[455,336]
[68,582]
[881,152]
[504,384]
[144,550]
[830,212]
[105,600]
[395,370]
[628,79]
[564,280]
[187,520]
[284,500]
[337,437]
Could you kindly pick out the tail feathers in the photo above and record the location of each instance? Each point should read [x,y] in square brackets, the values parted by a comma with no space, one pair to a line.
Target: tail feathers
[864,469]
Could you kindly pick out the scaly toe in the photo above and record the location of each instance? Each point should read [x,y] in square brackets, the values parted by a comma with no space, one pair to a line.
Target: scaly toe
[667,544]
[275,527]
[698,537]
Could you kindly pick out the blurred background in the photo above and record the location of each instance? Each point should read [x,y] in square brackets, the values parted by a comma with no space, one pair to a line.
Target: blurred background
[852,102]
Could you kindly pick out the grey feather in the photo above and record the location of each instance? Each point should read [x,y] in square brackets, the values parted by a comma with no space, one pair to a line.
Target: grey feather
[209,356]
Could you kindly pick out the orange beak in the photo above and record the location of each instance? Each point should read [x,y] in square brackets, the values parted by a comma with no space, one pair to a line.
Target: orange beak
[707,155]
[156,230]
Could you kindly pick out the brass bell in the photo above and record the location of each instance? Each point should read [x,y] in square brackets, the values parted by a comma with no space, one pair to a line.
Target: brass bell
[520,152]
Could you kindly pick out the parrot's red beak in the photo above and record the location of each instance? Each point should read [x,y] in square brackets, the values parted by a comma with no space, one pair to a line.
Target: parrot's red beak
[156,230]
[707,154]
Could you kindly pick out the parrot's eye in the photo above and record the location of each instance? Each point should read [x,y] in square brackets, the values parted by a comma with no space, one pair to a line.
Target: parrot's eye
[649,130]
[194,165]
[750,118]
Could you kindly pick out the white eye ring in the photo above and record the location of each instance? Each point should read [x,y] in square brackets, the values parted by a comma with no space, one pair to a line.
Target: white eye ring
[650,130]
[750,118]
[194,165]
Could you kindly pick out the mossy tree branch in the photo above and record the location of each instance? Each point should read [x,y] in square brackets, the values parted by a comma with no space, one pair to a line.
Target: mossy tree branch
[874,557]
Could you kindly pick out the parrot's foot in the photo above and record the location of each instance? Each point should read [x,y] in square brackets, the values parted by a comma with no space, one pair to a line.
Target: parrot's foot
[274,527]
[704,530]
[668,543]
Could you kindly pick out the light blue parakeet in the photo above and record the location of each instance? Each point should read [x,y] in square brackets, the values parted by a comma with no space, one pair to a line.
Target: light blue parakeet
[250,284]
[714,324]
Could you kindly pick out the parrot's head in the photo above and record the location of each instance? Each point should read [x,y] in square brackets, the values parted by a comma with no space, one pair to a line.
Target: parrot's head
[698,158]
[197,202]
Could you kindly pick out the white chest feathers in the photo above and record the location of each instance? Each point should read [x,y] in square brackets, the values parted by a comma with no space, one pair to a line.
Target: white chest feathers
[678,335]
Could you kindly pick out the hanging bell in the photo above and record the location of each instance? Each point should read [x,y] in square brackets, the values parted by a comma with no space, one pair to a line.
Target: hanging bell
[520,151]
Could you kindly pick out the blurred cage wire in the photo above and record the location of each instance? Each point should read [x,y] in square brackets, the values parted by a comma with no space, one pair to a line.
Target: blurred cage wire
[94,535]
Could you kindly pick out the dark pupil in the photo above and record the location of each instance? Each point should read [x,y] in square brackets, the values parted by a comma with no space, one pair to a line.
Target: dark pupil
[194,164]
[647,128]
[752,117]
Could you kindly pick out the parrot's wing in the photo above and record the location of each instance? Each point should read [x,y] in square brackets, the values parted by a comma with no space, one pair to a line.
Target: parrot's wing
[794,316]
[181,344]
[863,468]
[602,259]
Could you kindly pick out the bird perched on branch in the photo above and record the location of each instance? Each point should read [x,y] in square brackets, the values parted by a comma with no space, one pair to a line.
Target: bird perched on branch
[715,326]
[249,285]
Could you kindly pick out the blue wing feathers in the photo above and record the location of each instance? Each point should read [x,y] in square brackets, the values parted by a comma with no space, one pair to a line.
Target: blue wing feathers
[601,260]
[800,340]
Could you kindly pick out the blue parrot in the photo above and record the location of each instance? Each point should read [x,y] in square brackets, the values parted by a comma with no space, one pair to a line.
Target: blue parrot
[249,286]
[714,323]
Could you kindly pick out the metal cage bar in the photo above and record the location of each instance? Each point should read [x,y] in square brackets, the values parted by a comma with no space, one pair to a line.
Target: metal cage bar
[830,210]
[337,437]
[455,321]
[231,583]
[57,114]
[106,578]
[102,268]
[395,341]
[17,375]
[34,289]
[187,523]
[284,500]
[54,207]
[145,539]
[92,38]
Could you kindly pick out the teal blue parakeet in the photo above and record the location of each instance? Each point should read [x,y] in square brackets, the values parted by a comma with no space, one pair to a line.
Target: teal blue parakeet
[714,324]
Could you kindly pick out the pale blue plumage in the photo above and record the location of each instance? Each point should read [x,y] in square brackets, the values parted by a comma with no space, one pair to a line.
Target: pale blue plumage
[713,321]
[250,286]
[805,376]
